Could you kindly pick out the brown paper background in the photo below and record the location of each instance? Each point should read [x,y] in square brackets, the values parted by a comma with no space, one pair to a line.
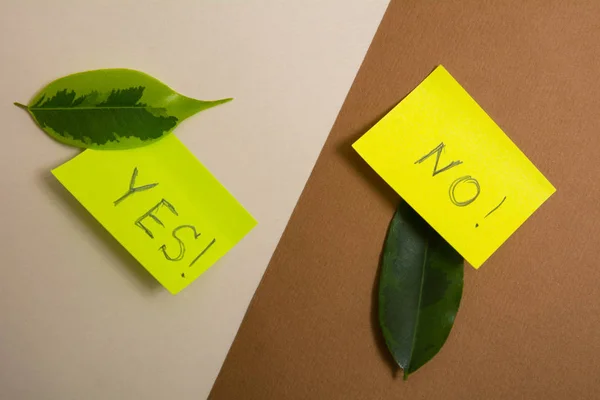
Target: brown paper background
[529,323]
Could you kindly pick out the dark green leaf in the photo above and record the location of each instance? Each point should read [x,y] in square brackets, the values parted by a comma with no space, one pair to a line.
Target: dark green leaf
[419,291]
[111,109]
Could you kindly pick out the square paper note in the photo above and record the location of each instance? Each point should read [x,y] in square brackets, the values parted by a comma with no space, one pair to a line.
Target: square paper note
[446,157]
[161,204]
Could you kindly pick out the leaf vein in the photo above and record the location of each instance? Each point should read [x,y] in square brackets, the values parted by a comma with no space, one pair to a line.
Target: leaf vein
[93,108]
[414,339]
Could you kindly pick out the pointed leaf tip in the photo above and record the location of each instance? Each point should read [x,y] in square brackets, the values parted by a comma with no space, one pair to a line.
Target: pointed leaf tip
[189,106]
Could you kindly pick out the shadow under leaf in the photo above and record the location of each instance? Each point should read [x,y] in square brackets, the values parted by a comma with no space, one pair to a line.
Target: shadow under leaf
[130,267]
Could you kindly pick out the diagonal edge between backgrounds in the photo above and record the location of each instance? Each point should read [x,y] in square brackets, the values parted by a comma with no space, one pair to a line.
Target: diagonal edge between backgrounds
[295,211]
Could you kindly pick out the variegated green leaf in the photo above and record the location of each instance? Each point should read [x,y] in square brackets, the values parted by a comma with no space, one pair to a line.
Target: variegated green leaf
[419,290]
[111,109]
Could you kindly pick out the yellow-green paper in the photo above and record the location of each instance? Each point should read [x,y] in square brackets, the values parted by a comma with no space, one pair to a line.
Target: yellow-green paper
[161,204]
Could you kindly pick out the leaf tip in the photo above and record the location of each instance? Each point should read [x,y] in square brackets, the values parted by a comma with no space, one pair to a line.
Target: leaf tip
[223,101]
[23,106]
[405,377]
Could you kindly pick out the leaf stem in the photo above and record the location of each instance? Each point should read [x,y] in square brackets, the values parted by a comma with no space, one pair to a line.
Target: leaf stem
[23,106]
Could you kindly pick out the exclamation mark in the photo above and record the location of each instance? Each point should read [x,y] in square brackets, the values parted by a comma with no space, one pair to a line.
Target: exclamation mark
[494,209]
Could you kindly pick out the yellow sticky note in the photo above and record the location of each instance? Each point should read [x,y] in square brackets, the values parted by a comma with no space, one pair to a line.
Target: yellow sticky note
[161,204]
[448,159]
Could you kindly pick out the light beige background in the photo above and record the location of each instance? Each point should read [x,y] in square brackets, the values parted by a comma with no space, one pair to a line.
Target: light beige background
[79,318]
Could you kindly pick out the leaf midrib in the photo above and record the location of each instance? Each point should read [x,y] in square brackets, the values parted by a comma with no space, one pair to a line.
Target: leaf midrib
[91,108]
[414,339]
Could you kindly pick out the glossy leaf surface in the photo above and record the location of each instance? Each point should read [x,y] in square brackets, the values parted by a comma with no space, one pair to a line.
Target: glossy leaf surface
[419,291]
[111,109]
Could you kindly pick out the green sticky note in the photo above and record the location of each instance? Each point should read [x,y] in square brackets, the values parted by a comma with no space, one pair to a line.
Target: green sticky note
[161,204]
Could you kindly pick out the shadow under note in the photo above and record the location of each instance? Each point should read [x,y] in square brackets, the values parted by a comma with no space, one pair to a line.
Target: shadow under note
[350,155]
[130,267]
